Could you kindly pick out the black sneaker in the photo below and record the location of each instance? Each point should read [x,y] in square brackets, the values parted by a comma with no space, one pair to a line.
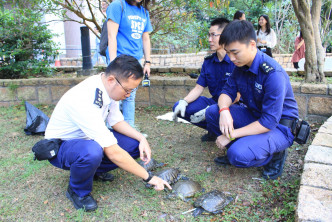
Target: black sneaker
[104,177]
[87,203]
[222,160]
[209,137]
[274,168]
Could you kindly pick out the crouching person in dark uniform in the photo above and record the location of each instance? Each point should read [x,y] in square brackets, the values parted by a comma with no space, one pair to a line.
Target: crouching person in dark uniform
[89,148]
[259,132]
[215,71]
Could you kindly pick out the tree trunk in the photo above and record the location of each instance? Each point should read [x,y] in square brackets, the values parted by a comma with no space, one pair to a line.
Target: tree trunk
[309,23]
[315,11]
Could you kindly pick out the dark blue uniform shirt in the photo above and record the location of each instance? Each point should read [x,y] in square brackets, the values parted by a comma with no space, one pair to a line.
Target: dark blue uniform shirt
[214,74]
[265,89]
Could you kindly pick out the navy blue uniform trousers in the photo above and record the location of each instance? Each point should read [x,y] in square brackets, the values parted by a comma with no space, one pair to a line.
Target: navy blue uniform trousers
[197,105]
[85,158]
[254,150]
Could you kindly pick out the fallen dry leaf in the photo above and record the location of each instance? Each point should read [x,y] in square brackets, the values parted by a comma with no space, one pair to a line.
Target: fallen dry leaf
[144,214]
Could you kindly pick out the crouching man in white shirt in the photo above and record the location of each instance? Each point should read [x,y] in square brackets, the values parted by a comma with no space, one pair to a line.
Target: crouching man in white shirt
[89,148]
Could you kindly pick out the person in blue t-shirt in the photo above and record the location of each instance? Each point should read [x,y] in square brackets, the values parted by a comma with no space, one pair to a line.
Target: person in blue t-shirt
[259,132]
[128,33]
[214,73]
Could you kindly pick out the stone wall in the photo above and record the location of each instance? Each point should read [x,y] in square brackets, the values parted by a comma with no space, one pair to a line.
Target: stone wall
[315,194]
[314,100]
[186,60]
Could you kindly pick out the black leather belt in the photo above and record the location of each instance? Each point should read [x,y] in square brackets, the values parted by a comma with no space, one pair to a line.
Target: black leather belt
[290,123]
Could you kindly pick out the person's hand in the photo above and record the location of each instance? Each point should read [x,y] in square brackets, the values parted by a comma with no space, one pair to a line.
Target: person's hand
[147,69]
[258,40]
[158,183]
[222,141]
[198,116]
[180,108]
[226,123]
[144,150]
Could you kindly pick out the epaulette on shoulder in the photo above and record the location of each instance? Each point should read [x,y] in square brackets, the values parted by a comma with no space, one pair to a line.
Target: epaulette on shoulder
[208,56]
[266,67]
[98,98]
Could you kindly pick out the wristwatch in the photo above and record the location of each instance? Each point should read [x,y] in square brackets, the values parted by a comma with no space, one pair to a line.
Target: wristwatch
[149,178]
[147,61]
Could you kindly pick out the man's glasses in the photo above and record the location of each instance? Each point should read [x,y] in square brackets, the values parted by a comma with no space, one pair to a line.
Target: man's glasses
[126,90]
[213,35]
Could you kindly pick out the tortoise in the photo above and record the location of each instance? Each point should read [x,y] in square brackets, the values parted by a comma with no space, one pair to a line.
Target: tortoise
[171,175]
[212,202]
[153,164]
[185,189]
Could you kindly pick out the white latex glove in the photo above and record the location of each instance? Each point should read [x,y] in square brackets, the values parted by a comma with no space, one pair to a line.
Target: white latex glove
[180,108]
[198,116]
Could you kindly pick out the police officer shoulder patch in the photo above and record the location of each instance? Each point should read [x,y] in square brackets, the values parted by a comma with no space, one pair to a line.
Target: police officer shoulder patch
[266,67]
[208,57]
[98,98]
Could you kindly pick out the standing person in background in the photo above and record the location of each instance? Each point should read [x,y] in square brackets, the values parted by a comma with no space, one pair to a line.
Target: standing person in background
[128,33]
[299,52]
[266,37]
[239,15]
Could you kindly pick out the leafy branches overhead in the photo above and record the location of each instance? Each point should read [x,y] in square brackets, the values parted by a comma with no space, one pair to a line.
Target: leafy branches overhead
[83,12]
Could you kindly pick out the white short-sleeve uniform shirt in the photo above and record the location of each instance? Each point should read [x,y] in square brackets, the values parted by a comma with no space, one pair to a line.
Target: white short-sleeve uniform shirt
[83,112]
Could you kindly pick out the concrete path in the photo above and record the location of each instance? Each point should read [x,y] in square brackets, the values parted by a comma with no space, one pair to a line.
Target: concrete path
[315,195]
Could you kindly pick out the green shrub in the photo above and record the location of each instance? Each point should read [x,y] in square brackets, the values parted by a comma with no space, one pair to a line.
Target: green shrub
[26,46]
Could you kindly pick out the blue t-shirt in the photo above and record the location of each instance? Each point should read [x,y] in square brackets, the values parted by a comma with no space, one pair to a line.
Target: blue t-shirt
[133,21]
[265,89]
[215,73]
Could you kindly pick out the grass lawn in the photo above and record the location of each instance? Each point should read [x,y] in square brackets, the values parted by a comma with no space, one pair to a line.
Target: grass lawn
[35,190]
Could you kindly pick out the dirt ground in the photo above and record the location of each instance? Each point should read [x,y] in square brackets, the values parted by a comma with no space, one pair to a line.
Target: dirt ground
[35,190]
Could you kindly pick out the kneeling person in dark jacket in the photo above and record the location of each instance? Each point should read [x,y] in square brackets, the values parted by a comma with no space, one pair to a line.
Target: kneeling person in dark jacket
[257,133]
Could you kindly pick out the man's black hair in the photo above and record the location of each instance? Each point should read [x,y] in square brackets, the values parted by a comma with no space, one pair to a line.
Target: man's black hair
[125,66]
[238,31]
[238,14]
[220,22]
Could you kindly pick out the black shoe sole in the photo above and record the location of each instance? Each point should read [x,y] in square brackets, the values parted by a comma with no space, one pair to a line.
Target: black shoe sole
[76,206]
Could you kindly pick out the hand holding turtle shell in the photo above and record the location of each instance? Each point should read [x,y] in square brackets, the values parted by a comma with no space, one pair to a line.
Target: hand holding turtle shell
[144,150]
[222,141]
[158,183]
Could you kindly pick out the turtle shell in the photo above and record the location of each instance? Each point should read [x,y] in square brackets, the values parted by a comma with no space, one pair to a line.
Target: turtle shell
[213,202]
[186,188]
[153,164]
[171,175]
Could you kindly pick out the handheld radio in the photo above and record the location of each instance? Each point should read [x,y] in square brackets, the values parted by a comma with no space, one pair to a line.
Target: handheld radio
[146,81]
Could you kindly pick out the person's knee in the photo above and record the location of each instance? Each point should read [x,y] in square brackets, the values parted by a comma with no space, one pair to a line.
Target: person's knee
[93,154]
[210,113]
[238,158]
